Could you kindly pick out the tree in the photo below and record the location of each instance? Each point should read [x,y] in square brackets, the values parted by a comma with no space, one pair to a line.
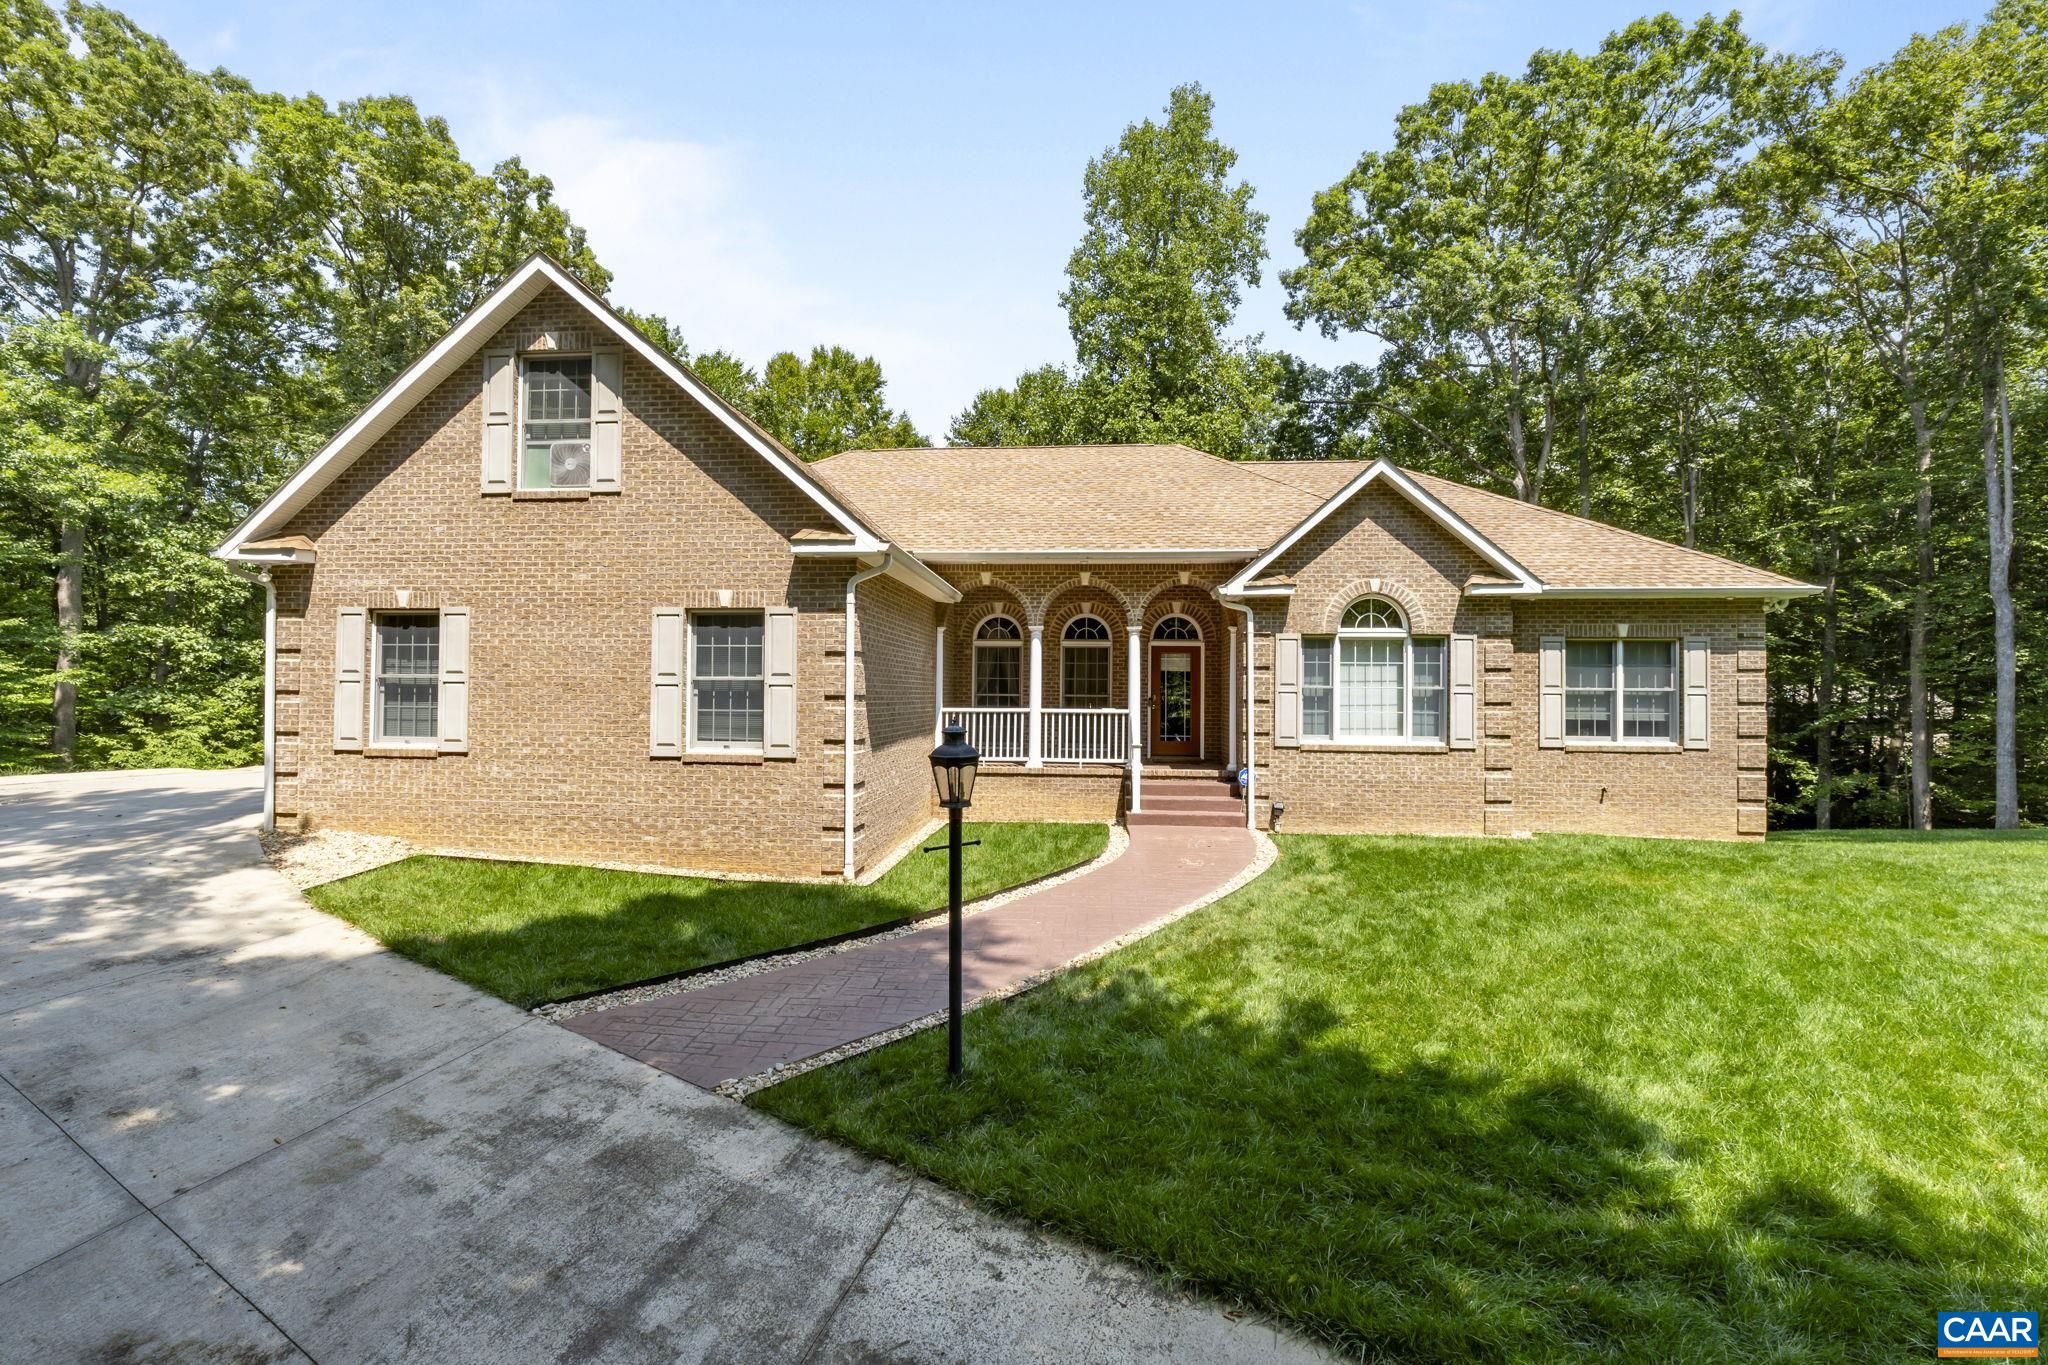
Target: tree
[1170,242]
[831,402]
[1487,248]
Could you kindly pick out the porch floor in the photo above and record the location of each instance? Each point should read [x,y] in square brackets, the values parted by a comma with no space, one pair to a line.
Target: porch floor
[747,1026]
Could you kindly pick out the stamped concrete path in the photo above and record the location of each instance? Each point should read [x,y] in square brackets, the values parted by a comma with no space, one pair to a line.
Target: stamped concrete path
[749,1025]
[234,1129]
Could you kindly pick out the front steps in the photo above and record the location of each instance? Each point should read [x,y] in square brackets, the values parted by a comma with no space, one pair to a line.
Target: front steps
[1187,798]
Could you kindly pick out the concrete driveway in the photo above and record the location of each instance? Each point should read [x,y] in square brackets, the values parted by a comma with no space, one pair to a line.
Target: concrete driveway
[232,1128]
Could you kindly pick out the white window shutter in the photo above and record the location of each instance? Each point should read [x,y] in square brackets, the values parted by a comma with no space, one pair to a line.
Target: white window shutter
[1464,731]
[1698,654]
[453,709]
[778,733]
[1550,693]
[665,709]
[350,624]
[501,427]
[1287,691]
[607,369]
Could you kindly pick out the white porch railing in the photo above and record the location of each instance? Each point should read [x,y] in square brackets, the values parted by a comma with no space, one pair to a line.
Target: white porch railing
[1077,735]
[999,732]
[1071,734]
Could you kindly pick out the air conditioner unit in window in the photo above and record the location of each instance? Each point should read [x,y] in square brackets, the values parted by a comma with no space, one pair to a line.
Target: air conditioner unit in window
[569,464]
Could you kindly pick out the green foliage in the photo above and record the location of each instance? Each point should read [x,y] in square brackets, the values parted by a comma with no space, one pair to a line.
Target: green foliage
[832,401]
[1169,246]
[1550,1099]
[532,932]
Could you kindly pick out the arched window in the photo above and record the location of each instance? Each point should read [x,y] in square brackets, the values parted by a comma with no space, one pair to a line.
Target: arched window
[1176,628]
[1084,663]
[998,662]
[1373,681]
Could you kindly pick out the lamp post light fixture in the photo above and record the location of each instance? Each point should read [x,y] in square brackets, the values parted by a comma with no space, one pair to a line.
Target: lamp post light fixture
[953,767]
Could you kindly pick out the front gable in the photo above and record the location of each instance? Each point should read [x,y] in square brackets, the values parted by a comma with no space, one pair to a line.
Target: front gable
[540,306]
[1377,543]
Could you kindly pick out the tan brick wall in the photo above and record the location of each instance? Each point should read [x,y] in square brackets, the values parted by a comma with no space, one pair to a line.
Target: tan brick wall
[1508,784]
[1070,795]
[561,593]
[893,778]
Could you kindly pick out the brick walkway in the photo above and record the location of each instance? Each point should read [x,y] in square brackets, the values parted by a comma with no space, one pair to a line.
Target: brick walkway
[744,1027]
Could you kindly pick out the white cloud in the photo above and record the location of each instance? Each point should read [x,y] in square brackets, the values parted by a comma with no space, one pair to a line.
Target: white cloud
[684,233]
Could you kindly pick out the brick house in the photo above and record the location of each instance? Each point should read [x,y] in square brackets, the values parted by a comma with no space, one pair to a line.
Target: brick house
[550,596]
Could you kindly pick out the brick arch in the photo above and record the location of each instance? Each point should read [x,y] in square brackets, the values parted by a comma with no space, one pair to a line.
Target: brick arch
[1400,594]
[1063,604]
[1196,602]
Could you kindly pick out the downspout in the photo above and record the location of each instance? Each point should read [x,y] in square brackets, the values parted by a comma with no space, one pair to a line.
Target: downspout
[846,738]
[1251,756]
[269,692]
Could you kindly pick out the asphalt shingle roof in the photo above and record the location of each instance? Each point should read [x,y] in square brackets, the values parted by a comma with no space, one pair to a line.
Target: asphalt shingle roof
[1104,499]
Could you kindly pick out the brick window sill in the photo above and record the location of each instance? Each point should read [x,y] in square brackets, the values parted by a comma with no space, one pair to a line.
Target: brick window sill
[400,751]
[551,495]
[1580,747]
[1427,747]
[731,760]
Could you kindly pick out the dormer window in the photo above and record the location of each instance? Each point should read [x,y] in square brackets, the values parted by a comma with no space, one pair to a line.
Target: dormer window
[554,413]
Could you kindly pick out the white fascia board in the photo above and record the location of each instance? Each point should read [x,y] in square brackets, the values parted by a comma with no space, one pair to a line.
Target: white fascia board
[453,349]
[240,556]
[903,566]
[1461,529]
[1194,556]
[1755,591]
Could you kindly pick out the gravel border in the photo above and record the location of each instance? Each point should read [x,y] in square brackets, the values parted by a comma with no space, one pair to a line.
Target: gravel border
[328,855]
[1119,840]
[741,1087]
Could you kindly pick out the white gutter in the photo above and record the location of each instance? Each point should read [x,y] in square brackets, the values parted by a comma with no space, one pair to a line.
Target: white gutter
[269,692]
[1204,555]
[1251,711]
[853,581]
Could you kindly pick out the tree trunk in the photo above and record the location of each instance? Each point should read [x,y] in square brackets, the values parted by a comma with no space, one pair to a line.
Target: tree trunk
[70,621]
[1824,731]
[1585,459]
[1998,505]
[1920,807]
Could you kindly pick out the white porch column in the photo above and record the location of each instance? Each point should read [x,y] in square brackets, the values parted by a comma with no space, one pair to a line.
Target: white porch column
[939,686]
[1230,707]
[1034,736]
[1133,672]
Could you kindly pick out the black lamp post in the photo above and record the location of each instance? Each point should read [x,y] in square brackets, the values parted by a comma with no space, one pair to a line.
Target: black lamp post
[953,766]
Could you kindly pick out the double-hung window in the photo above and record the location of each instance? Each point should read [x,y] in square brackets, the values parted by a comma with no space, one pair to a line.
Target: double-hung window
[1373,681]
[1621,690]
[408,680]
[554,434]
[726,680]
[1084,663]
[998,663]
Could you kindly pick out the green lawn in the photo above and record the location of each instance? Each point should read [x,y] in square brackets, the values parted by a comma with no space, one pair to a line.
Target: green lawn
[533,932]
[1457,1099]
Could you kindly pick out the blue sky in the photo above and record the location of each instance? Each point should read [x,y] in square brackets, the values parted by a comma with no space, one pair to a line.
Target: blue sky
[905,178]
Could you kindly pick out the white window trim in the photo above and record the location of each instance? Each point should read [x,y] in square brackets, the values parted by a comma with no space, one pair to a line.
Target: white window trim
[1109,662]
[519,420]
[1158,639]
[974,661]
[378,739]
[1617,740]
[1407,739]
[691,744]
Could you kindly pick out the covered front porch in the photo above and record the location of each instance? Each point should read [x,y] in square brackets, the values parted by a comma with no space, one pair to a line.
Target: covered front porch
[1098,670]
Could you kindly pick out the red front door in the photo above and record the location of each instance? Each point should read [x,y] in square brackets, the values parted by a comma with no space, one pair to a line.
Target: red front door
[1176,700]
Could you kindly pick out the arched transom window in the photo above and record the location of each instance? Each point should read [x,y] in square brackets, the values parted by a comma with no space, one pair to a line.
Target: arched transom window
[1176,628]
[1373,681]
[1084,663]
[998,662]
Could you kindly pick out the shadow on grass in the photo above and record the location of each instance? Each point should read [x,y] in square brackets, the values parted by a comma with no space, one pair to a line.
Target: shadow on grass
[536,932]
[1912,836]
[1412,1211]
